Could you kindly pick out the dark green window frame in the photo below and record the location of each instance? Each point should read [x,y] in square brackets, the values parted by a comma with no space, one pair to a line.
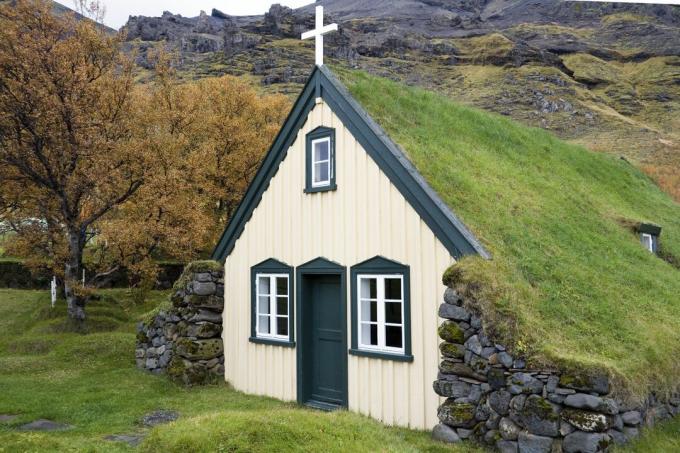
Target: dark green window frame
[320,132]
[381,266]
[272,266]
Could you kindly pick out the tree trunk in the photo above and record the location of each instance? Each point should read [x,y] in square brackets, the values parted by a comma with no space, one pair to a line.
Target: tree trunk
[72,270]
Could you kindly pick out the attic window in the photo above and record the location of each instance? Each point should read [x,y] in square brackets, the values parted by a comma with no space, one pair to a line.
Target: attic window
[320,160]
[649,236]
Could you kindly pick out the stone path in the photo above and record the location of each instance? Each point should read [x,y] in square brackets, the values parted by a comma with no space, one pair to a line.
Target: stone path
[132,440]
[44,425]
[158,418]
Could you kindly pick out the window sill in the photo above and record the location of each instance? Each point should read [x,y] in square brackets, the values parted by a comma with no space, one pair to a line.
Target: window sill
[272,342]
[330,188]
[381,355]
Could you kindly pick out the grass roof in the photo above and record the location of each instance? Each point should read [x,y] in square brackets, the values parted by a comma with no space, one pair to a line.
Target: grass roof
[569,282]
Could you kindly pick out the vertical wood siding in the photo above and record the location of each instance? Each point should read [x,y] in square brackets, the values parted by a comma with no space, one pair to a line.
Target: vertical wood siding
[366,216]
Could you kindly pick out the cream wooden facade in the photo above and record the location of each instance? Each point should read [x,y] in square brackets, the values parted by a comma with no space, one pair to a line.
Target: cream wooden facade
[366,216]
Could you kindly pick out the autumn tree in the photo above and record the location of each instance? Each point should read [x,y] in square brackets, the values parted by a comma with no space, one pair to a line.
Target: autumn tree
[67,154]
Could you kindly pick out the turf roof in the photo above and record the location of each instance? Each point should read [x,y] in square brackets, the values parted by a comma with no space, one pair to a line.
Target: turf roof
[570,282]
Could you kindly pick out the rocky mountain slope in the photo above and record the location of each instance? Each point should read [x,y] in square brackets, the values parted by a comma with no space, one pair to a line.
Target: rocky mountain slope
[605,75]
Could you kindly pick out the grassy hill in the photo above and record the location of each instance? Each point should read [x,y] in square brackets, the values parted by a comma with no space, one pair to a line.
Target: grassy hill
[569,282]
[90,381]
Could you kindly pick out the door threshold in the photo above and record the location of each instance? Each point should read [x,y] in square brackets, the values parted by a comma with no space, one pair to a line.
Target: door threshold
[322,406]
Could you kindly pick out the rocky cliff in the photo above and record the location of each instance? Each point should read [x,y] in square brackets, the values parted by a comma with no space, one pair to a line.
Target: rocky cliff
[603,74]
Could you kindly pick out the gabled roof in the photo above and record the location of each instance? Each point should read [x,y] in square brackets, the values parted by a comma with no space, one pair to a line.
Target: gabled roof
[453,234]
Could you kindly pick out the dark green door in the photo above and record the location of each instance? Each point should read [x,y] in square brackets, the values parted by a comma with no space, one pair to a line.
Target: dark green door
[324,342]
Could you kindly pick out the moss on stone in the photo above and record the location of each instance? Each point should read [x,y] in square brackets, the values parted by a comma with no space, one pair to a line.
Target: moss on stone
[449,331]
[452,350]
[193,268]
[142,338]
[176,367]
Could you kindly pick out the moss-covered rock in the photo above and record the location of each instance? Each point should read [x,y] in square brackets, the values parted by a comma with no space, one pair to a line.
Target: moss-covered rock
[585,382]
[196,267]
[204,330]
[538,416]
[592,422]
[212,301]
[449,331]
[458,415]
[452,350]
[177,367]
[199,349]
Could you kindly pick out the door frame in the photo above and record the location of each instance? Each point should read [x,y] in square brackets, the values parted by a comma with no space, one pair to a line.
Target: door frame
[318,266]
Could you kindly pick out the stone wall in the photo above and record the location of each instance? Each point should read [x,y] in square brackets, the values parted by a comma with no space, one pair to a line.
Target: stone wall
[184,339]
[493,398]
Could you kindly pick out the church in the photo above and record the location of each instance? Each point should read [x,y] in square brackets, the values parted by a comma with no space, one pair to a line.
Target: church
[333,264]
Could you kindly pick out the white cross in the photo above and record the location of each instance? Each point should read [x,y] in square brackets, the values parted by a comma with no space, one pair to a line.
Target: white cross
[318,34]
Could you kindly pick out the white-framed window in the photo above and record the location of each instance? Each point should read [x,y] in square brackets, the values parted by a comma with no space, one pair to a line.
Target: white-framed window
[272,306]
[648,242]
[380,313]
[322,164]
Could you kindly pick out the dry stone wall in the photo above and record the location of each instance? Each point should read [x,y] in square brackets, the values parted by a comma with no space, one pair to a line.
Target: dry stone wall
[184,340]
[493,398]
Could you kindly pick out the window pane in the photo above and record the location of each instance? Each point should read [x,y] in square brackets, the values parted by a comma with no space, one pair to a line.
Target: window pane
[369,288]
[263,285]
[369,334]
[263,326]
[321,172]
[282,325]
[320,151]
[281,305]
[393,288]
[393,312]
[281,286]
[263,305]
[393,337]
[369,311]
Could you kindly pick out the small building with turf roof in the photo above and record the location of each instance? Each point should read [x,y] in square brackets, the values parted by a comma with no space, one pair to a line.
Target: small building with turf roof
[333,265]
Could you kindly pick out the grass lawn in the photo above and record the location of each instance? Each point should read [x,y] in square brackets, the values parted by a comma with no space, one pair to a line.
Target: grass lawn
[569,283]
[90,381]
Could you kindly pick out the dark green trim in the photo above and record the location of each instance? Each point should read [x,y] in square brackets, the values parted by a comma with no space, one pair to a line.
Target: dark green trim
[381,355]
[318,266]
[319,132]
[272,266]
[378,266]
[649,228]
[269,341]
[457,239]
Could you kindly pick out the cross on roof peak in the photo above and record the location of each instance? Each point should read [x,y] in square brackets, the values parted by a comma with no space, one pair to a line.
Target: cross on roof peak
[318,33]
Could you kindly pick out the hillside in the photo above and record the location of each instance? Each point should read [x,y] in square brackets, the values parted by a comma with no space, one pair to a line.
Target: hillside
[604,75]
[569,281]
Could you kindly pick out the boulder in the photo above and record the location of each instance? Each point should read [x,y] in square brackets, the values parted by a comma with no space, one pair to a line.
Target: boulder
[523,383]
[453,312]
[449,331]
[530,443]
[499,401]
[444,433]
[538,416]
[451,389]
[204,330]
[587,421]
[452,350]
[631,418]
[593,403]
[199,349]
[452,297]
[595,383]
[458,415]
[506,446]
[474,345]
[580,442]
[508,429]
[204,288]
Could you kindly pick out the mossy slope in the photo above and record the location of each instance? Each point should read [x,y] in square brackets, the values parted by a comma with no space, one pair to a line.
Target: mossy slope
[568,283]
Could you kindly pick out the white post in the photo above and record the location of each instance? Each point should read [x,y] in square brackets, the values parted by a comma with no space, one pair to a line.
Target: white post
[83,278]
[53,290]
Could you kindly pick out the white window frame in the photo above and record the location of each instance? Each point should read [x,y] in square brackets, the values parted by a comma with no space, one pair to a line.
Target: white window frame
[648,241]
[380,307]
[273,312]
[327,182]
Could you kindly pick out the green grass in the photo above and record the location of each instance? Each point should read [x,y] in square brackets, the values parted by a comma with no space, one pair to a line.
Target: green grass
[90,381]
[568,283]
[663,438]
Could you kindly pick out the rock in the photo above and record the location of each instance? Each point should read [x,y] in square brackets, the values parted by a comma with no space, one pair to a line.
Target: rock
[488,352]
[458,415]
[551,384]
[158,418]
[519,364]
[204,330]
[491,437]
[598,383]
[151,364]
[539,417]
[464,433]
[7,418]
[459,369]
[474,345]
[452,297]
[203,277]
[631,418]
[444,433]
[204,288]
[505,359]
[44,425]
[496,378]
[565,428]
[524,383]
[508,429]
[587,421]
[617,437]
[475,322]
[517,403]
[630,432]
[164,359]
[593,403]
[452,350]
[580,442]
[499,401]
[199,349]
[454,312]
[206,316]
[451,389]
[530,443]
[132,440]
[506,446]
[449,331]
